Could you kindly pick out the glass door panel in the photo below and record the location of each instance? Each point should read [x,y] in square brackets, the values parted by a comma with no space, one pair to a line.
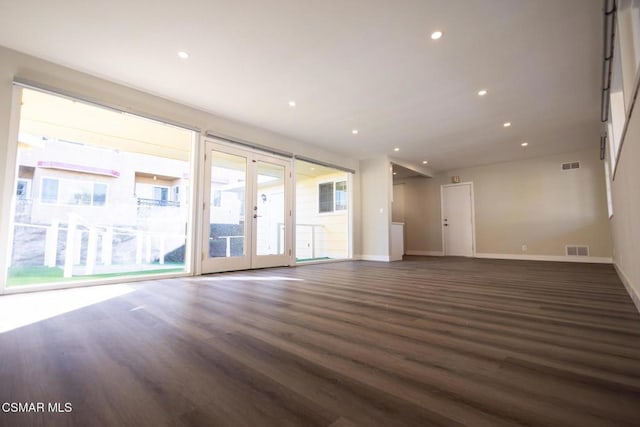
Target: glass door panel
[226,205]
[225,231]
[270,210]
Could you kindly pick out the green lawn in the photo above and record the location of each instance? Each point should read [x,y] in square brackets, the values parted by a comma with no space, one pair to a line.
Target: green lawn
[312,259]
[22,276]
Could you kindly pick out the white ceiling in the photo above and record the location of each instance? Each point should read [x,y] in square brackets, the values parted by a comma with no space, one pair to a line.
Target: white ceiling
[365,64]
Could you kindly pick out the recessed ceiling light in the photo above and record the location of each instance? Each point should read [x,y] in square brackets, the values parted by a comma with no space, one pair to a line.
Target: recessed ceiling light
[292,103]
[183,55]
[355,131]
[524,144]
[313,169]
[396,149]
[482,92]
[506,124]
[424,162]
[436,35]
[395,173]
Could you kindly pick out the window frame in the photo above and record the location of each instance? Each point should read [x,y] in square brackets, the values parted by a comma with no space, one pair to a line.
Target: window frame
[335,193]
[27,192]
[61,181]
[334,202]
[168,194]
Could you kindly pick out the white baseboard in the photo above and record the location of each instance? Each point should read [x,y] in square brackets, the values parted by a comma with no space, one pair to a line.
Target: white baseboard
[560,258]
[383,258]
[635,297]
[426,253]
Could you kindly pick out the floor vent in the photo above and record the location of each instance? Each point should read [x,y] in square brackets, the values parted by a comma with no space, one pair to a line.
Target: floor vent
[577,250]
[570,165]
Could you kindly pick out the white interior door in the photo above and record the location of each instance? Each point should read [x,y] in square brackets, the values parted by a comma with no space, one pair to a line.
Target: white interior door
[457,219]
[247,212]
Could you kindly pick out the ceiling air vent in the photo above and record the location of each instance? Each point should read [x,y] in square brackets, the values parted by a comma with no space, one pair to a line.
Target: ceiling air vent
[577,250]
[570,165]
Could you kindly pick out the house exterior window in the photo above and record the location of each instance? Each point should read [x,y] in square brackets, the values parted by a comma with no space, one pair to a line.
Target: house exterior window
[325,197]
[49,192]
[332,196]
[99,197]
[176,193]
[217,198]
[72,192]
[341,196]
[23,189]
[161,195]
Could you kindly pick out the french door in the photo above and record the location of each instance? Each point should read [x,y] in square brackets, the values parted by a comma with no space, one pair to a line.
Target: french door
[247,209]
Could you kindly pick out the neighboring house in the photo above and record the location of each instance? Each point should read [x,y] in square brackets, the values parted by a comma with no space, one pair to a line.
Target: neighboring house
[117,193]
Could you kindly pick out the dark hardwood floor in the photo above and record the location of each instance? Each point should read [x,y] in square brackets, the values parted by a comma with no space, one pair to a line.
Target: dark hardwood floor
[426,341]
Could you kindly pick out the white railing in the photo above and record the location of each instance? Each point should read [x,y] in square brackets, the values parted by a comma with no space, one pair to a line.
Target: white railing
[227,243]
[316,230]
[146,242]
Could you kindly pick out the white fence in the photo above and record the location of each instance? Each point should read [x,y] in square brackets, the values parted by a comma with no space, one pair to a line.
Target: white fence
[147,243]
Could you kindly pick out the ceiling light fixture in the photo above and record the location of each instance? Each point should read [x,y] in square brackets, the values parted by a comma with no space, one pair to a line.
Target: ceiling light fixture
[506,124]
[482,92]
[355,131]
[524,144]
[436,35]
[424,162]
[396,149]
[292,103]
[395,173]
[183,55]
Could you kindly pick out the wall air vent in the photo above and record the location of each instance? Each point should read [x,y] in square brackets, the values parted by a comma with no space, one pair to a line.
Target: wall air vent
[570,165]
[572,250]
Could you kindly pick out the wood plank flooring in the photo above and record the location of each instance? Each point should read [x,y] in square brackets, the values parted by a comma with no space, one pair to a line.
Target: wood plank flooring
[427,341]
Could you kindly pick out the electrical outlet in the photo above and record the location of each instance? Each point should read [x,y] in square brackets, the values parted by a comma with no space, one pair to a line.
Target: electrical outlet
[524,248]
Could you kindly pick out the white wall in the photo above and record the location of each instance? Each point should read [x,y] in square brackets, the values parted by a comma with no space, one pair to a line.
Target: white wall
[375,185]
[397,212]
[14,64]
[530,202]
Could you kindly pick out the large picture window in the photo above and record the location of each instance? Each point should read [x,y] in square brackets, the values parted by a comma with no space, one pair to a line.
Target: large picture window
[624,70]
[99,194]
[322,212]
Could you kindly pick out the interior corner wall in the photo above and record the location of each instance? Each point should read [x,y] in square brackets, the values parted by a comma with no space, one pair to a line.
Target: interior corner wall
[375,207]
[529,202]
[72,82]
[625,223]
[397,206]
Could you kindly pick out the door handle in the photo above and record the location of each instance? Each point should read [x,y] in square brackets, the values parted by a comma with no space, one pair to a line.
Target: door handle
[446,225]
